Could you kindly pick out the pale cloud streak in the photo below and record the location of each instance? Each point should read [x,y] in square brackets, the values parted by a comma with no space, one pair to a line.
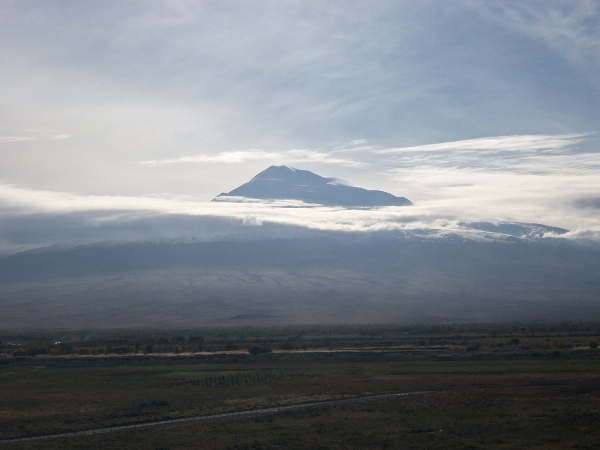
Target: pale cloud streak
[293,156]
[534,142]
[238,157]
[60,136]
[312,156]
[510,178]
[7,139]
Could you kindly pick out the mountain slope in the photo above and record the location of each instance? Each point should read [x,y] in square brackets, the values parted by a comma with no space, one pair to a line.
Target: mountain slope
[333,278]
[281,182]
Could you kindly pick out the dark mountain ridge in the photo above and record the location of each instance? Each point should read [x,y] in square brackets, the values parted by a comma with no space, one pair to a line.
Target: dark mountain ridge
[542,262]
[337,278]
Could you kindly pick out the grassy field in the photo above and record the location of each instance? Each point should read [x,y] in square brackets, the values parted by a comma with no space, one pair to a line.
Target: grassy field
[458,419]
[489,389]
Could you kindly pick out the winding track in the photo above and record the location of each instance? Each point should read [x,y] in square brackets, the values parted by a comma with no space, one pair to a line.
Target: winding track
[182,421]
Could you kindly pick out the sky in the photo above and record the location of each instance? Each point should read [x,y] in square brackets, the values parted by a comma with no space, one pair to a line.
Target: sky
[473,110]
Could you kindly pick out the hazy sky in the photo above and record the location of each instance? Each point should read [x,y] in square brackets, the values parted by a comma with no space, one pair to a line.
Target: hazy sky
[472,110]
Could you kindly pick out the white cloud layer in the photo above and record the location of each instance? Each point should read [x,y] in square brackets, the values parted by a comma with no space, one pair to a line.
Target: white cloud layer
[531,179]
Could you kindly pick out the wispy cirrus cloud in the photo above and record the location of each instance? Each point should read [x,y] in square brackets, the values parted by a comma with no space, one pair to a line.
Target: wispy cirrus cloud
[529,178]
[570,29]
[239,157]
[312,156]
[6,139]
[60,136]
[525,154]
[533,142]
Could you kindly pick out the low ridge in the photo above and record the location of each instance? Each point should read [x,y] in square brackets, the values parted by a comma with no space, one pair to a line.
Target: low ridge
[282,182]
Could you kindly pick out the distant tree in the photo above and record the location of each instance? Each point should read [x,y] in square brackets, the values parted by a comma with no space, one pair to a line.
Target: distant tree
[259,348]
[32,351]
[179,339]
[20,352]
[121,349]
[593,344]
[195,340]
[148,348]
[65,348]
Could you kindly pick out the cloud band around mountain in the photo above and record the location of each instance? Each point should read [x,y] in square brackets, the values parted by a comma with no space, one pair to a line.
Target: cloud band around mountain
[530,178]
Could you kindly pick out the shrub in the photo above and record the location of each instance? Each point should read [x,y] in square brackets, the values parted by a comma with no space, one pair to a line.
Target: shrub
[593,344]
[288,346]
[259,348]
[179,339]
[32,351]
[65,349]
[20,352]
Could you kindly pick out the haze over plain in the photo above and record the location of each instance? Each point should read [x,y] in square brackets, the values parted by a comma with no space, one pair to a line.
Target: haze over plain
[119,122]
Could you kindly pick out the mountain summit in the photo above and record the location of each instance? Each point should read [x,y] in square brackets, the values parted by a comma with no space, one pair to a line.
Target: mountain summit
[282,182]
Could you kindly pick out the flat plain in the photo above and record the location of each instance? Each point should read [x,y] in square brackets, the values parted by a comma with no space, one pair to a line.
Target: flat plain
[481,386]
